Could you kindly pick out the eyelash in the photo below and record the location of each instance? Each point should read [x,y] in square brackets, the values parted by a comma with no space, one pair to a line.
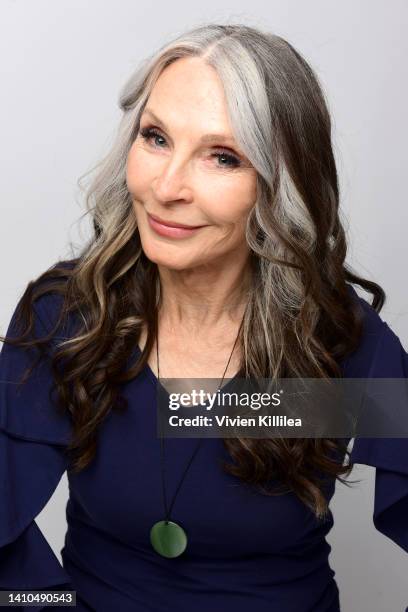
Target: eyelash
[148,133]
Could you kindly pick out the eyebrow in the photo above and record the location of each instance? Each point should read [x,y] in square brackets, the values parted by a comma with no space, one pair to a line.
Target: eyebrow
[206,139]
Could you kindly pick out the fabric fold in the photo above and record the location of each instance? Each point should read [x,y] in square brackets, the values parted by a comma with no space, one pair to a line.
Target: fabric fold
[28,410]
[388,455]
[33,438]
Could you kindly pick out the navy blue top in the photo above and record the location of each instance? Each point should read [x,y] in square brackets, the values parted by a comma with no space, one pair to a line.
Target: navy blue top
[245,549]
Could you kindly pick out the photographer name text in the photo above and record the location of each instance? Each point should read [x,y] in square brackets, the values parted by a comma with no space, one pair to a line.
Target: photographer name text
[238,421]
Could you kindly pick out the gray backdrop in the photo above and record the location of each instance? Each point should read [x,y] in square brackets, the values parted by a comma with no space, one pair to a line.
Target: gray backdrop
[62,65]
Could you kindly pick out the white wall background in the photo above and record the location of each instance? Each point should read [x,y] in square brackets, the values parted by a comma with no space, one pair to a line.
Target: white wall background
[62,65]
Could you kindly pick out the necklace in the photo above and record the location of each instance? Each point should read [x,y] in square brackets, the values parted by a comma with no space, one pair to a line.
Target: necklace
[167,537]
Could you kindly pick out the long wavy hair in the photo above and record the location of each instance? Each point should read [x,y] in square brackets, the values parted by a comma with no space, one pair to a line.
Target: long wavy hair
[300,318]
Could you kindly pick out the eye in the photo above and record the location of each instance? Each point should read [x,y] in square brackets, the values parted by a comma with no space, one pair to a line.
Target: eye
[225,159]
[148,133]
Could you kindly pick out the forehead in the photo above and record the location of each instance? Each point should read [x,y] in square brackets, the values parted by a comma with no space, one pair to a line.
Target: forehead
[190,91]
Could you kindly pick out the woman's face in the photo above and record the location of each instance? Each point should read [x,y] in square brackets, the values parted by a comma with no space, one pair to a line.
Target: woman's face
[185,167]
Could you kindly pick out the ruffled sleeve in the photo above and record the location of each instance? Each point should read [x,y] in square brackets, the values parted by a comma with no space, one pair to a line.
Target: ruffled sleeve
[32,462]
[383,356]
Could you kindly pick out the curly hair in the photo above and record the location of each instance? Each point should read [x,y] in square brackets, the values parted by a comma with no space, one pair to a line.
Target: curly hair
[300,319]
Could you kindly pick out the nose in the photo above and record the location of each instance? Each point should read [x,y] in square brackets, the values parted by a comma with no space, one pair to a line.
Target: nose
[172,183]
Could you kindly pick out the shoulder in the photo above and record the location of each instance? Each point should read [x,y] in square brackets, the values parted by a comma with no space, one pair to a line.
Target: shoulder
[50,289]
[27,407]
[380,352]
[49,303]
[372,321]
[41,304]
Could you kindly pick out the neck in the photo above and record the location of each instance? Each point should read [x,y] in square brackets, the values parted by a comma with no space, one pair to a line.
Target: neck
[200,299]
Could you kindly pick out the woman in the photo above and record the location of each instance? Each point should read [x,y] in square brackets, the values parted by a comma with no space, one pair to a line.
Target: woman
[217,251]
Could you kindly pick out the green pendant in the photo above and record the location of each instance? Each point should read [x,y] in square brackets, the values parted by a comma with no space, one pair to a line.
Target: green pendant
[168,539]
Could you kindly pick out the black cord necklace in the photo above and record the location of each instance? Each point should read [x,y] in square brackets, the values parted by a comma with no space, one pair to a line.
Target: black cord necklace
[167,537]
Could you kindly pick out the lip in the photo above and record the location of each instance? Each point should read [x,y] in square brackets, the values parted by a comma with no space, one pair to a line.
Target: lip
[170,224]
[175,230]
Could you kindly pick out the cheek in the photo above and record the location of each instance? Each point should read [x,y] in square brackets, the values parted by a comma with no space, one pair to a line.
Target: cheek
[230,201]
[137,182]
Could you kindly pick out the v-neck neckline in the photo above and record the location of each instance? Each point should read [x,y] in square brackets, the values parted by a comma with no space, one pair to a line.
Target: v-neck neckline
[156,381]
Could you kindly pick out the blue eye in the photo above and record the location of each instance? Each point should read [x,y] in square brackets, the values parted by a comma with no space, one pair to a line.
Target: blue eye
[230,161]
[147,134]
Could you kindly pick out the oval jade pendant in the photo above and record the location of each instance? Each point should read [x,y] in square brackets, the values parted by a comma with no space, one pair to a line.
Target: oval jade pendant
[168,539]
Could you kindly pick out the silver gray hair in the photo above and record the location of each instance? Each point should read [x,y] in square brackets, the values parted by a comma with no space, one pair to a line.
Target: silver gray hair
[278,114]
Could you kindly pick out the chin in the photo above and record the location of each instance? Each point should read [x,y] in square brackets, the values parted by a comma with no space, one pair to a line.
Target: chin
[162,257]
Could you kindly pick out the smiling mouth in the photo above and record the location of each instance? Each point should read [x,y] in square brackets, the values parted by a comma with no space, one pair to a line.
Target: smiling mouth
[173,224]
[172,231]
